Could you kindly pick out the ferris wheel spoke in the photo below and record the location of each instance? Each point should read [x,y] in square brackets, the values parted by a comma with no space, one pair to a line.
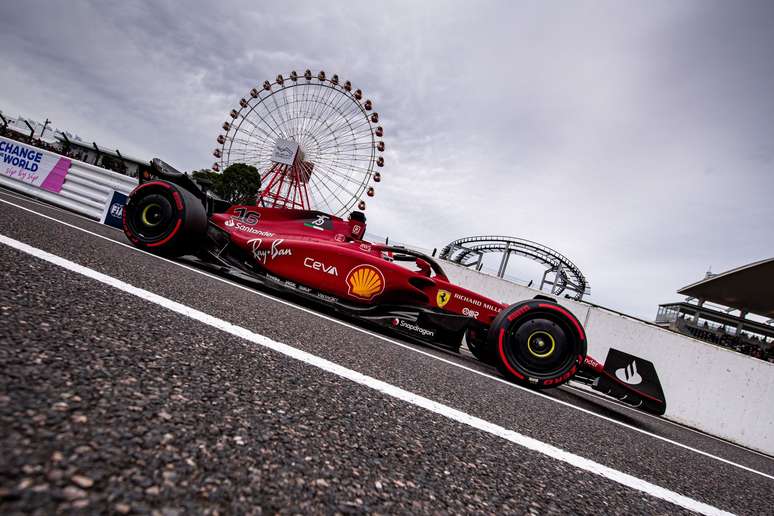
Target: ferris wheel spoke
[322,185]
[246,141]
[289,107]
[343,126]
[306,101]
[273,124]
[318,118]
[259,126]
[332,109]
[339,177]
[336,117]
[343,177]
[333,140]
[267,120]
[333,194]
[279,110]
[350,145]
[321,197]
[327,100]
[283,111]
[253,159]
[347,144]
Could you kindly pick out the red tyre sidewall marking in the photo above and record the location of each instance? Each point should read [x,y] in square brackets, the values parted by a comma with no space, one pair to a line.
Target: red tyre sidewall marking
[504,359]
[519,312]
[169,237]
[178,200]
[569,316]
[152,183]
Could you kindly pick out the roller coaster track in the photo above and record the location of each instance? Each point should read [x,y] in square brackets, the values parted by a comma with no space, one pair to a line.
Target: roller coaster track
[469,252]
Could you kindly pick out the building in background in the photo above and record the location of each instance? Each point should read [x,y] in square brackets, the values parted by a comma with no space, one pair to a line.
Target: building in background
[708,312]
[47,137]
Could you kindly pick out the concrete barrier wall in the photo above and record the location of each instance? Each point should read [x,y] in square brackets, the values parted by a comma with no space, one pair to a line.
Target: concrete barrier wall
[712,389]
[709,388]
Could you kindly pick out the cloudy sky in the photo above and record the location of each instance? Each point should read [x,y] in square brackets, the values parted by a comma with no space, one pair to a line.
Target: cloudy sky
[637,138]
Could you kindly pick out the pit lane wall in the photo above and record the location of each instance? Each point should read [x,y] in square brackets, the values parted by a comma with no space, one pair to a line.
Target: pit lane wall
[63,181]
[711,389]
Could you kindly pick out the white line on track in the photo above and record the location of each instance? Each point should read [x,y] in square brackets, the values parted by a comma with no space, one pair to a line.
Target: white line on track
[397,343]
[377,385]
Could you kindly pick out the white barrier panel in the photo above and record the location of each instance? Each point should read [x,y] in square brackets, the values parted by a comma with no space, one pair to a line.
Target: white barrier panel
[86,189]
[712,389]
[715,390]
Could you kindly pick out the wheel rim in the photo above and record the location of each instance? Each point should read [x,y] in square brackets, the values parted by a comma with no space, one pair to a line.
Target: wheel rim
[541,347]
[152,217]
[541,344]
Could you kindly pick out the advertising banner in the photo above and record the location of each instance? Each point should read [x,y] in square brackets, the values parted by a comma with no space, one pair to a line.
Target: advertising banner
[114,211]
[32,166]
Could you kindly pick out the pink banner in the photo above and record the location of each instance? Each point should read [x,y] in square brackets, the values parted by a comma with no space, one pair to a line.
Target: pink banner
[32,165]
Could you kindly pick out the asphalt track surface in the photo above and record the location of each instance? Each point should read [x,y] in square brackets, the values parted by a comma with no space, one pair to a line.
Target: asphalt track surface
[111,401]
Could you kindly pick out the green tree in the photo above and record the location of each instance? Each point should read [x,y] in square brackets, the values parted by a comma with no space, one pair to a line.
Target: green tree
[238,184]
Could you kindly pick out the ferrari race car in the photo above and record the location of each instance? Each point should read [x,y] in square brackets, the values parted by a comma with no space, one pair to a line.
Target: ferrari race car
[324,260]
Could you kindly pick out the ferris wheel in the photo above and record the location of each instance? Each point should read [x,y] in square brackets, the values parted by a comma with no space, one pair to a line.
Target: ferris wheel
[314,139]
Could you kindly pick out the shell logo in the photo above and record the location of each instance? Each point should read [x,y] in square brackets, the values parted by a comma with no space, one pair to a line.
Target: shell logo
[365,282]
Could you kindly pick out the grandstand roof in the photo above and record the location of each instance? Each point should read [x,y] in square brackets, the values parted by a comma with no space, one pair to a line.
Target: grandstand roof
[746,288]
[103,150]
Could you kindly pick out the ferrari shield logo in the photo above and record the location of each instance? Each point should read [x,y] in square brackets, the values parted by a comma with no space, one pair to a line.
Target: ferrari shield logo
[442,298]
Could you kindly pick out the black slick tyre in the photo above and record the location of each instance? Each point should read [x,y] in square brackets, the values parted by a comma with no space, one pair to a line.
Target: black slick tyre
[537,343]
[164,219]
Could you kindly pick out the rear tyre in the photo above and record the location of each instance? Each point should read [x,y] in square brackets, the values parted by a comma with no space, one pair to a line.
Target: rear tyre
[537,343]
[164,219]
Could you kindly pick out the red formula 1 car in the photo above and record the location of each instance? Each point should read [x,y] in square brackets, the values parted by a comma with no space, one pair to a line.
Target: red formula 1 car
[324,259]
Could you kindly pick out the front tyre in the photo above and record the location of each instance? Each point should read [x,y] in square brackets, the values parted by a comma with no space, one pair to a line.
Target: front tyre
[537,343]
[164,219]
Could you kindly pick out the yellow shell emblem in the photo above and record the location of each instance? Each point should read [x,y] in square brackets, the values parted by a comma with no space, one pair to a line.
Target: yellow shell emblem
[442,298]
[365,282]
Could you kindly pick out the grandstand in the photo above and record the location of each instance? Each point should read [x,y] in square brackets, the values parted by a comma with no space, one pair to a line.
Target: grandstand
[45,136]
[707,312]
